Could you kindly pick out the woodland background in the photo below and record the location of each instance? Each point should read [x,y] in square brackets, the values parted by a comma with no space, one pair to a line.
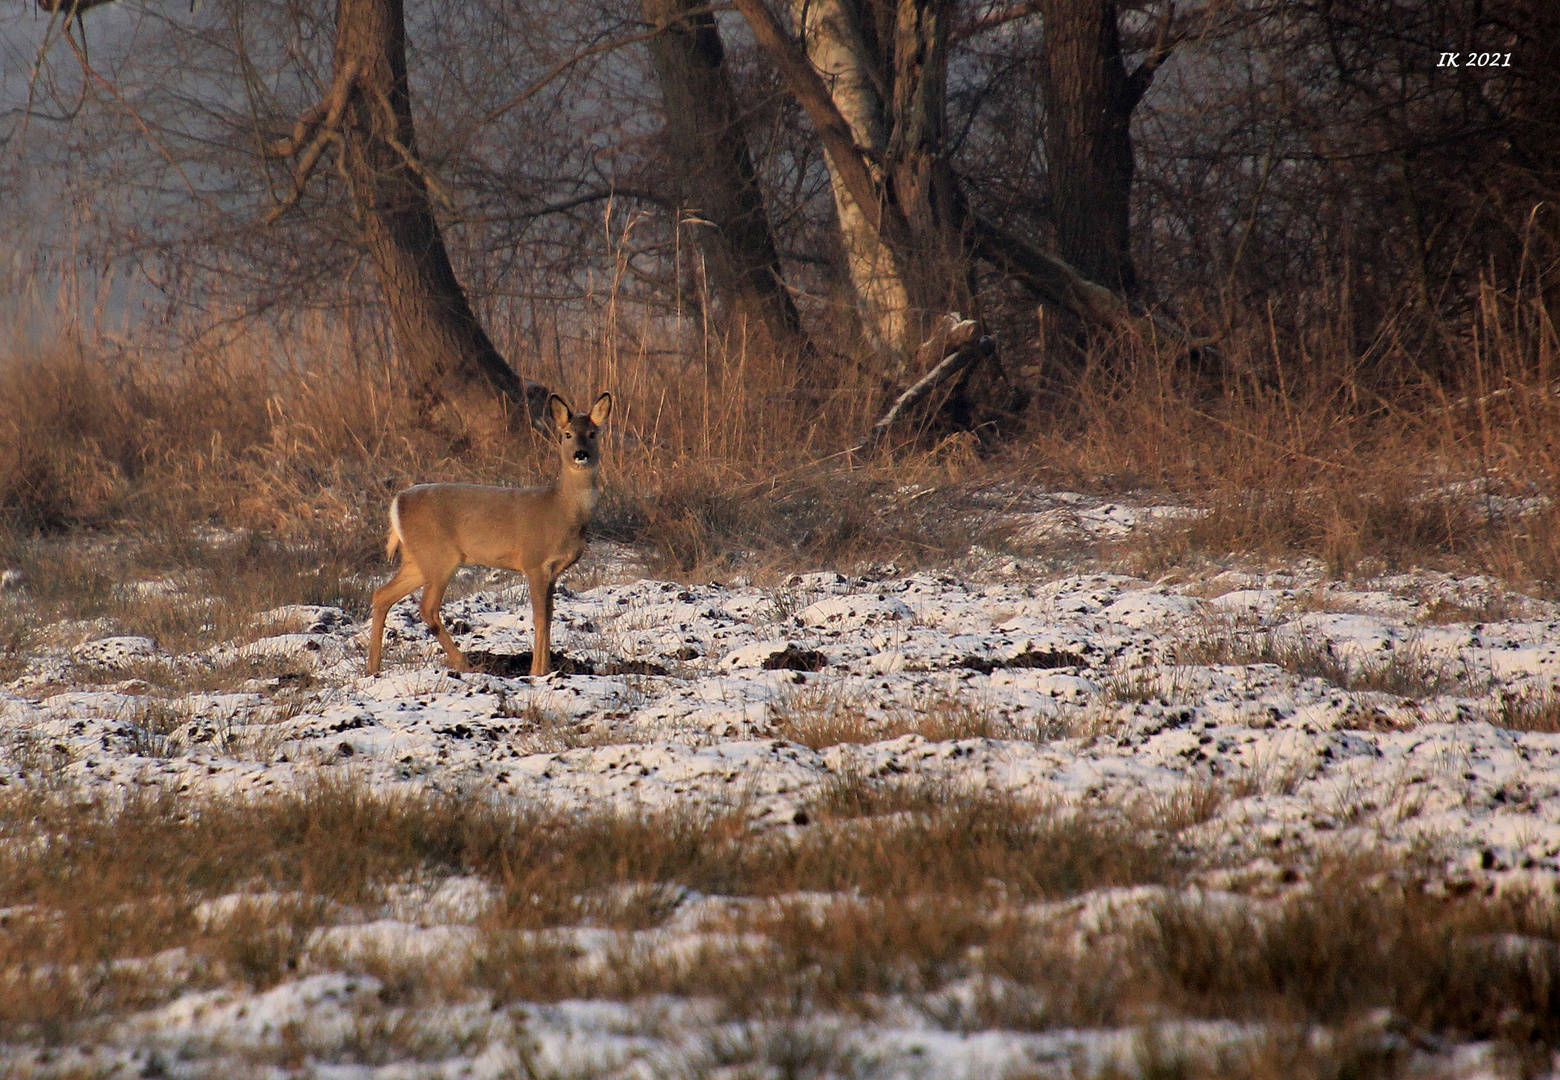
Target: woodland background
[265,261]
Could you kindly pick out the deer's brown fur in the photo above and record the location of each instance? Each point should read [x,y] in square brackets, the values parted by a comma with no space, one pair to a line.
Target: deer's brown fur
[538,531]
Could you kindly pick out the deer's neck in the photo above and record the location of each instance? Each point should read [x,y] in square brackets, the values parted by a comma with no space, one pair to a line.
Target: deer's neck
[576,493]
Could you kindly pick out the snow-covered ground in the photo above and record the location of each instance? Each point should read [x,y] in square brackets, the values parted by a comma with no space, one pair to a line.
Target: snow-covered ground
[1088,689]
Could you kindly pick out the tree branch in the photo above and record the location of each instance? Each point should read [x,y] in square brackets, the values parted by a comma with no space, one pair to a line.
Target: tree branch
[1165,42]
[319,124]
[590,197]
[993,19]
[950,366]
[1058,282]
[804,82]
[411,159]
[70,8]
[586,53]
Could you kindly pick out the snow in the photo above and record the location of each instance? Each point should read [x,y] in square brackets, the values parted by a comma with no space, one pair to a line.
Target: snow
[1090,655]
[1077,673]
[114,651]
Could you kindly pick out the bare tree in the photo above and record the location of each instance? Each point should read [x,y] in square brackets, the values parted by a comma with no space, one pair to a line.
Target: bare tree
[720,201]
[367,114]
[920,156]
[873,79]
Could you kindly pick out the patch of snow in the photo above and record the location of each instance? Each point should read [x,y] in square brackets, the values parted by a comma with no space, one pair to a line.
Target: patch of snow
[114,652]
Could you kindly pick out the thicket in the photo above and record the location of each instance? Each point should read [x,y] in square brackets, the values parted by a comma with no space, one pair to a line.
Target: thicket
[1362,239]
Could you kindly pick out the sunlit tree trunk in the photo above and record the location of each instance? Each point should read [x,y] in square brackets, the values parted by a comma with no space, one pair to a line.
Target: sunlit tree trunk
[841,45]
[884,65]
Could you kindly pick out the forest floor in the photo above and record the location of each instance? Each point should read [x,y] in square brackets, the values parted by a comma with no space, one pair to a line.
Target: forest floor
[1011,816]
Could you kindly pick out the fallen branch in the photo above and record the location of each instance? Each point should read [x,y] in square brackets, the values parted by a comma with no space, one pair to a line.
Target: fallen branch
[951,365]
[1060,284]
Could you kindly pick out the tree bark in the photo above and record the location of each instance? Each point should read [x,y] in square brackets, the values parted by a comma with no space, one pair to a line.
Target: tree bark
[872,76]
[435,328]
[842,49]
[924,184]
[1089,101]
[718,187]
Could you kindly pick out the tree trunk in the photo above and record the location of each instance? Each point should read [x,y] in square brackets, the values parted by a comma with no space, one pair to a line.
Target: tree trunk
[924,184]
[435,328]
[1088,139]
[842,48]
[717,183]
[1533,151]
[883,65]
[872,77]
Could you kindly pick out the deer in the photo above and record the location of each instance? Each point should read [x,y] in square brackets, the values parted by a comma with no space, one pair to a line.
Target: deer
[539,531]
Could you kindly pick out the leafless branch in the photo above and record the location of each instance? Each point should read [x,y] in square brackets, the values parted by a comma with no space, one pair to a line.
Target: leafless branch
[995,18]
[320,124]
[1166,38]
[593,50]
[411,159]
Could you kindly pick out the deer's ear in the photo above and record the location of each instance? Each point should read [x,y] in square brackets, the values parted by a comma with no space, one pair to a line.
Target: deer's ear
[601,410]
[560,411]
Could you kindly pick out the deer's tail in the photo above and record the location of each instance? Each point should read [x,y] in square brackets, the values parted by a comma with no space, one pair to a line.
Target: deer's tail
[393,541]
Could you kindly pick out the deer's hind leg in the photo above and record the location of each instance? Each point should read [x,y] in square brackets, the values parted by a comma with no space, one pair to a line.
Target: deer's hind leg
[433,596]
[406,581]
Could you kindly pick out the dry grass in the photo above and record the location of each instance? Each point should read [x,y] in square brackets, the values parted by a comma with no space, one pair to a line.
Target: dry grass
[88,885]
[1360,940]
[893,892]
[1299,446]
[17,627]
[252,481]
[825,716]
[1294,447]
[1497,608]
[245,439]
[1404,672]
[1538,712]
[196,591]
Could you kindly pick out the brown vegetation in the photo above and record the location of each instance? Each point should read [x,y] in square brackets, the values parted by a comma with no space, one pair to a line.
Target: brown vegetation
[1362,239]
[891,890]
[1291,452]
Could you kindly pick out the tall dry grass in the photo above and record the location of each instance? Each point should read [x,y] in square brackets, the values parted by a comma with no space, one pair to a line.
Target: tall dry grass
[1299,444]
[1294,444]
[302,438]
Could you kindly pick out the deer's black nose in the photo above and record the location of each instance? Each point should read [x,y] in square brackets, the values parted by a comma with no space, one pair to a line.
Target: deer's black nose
[582,456]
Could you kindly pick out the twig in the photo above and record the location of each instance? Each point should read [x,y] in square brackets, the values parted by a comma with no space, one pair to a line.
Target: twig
[600,47]
[1288,452]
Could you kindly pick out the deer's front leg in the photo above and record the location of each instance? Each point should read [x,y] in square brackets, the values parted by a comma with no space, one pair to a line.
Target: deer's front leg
[541,621]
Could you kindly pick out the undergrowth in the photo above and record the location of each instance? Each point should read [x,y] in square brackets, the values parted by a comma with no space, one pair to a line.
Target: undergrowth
[893,891]
[1365,462]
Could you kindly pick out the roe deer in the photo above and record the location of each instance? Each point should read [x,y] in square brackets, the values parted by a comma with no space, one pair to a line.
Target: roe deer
[538,531]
